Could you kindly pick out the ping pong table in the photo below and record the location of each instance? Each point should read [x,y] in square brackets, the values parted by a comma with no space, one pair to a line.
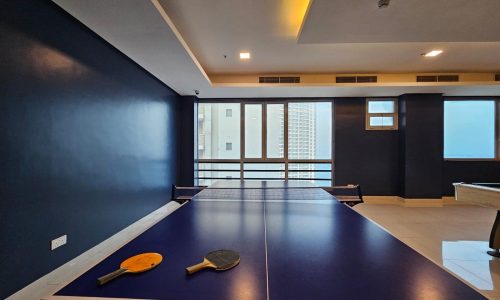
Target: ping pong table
[295,240]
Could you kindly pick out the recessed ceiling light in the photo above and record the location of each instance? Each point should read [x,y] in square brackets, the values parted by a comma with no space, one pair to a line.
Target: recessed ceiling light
[432,53]
[244,55]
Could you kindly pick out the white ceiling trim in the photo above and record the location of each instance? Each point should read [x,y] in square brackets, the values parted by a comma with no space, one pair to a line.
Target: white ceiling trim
[180,38]
[140,31]
[218,91]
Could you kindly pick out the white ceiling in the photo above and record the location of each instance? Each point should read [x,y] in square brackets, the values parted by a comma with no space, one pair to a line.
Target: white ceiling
[403,21]
[332,32]
[181,41]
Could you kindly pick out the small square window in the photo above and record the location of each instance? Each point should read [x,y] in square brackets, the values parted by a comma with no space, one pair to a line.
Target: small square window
[229,146]
[381,114]
[229,112]
[380,107]
[381,121]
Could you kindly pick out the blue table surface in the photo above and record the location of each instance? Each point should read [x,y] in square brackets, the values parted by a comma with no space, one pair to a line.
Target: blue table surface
[314,249]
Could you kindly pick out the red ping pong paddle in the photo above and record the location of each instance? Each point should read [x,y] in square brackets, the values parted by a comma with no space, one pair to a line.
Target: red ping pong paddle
[219,260]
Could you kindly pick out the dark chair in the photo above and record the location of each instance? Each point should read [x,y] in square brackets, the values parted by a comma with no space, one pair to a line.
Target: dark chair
[182,194]
[348,194]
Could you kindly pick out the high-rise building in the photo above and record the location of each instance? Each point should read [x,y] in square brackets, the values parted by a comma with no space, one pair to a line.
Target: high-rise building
[302,137]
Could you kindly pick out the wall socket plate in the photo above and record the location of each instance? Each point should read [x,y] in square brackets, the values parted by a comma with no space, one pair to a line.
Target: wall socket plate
[56,243]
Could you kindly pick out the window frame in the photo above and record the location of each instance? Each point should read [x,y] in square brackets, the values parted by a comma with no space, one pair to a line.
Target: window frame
[394,115]
[264,159]
[497,126]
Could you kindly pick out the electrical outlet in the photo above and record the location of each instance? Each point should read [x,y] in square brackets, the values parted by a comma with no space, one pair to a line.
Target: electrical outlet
[56,243]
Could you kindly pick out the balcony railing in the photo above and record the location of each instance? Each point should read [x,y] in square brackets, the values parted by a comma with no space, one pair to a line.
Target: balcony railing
[319,172]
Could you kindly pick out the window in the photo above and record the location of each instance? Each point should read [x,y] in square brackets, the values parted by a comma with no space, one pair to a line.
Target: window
[275,130]
[215,131]
[381,114]
[310,130]
[279,140]
[253,130]
[229,112]
[470,129]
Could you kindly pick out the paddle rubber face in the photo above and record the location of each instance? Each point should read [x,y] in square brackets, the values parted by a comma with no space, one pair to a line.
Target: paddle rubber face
[219,260]
[142,262]
[223,259]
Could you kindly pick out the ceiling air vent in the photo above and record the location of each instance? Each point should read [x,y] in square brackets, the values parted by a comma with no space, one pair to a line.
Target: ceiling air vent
[269,79]
[345,79]
[497,77]
[355,79]
[277,79]
[448,78]
[438,78]
[427,78]
[365,79]
[289,79]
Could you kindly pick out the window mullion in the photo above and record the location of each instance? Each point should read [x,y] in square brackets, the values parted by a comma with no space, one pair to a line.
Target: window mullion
[497,129]
[285,135]
[264,131]
[242,137]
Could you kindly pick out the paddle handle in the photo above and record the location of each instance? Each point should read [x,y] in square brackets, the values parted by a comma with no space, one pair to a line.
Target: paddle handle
[198,267]
[102,280]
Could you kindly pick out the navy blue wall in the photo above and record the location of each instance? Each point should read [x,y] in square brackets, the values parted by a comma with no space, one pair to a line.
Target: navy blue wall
[87,140]
[469,171]
[367,157]
[186,130]
[421,145]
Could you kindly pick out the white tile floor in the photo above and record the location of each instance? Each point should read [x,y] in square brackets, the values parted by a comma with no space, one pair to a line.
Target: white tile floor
[454,237]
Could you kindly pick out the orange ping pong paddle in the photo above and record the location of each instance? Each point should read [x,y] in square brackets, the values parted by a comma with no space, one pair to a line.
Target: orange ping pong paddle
[219,260]
[135,264]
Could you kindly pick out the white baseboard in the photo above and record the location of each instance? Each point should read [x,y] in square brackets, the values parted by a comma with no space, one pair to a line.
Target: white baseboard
[411,202]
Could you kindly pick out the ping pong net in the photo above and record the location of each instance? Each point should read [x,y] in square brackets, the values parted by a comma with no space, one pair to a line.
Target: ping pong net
[263,191]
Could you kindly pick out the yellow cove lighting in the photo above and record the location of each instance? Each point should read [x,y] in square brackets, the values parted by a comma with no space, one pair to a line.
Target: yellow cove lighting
[292,16]
[433,53]
[244,55]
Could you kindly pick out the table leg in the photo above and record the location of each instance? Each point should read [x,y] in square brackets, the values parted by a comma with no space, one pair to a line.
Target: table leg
[495,237]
